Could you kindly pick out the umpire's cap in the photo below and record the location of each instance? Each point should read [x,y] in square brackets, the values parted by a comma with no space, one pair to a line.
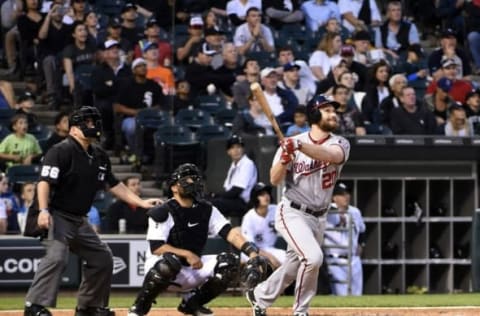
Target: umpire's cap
[234,140]
[340,189]
[259,188]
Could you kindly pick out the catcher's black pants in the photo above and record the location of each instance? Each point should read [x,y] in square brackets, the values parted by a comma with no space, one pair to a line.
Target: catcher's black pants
[73,233]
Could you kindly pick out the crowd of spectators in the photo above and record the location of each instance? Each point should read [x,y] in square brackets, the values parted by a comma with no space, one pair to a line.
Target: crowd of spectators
[367,55]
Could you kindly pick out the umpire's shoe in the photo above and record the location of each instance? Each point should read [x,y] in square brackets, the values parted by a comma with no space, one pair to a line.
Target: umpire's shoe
[35,310]
[94,311]
[257,309]
[187,309]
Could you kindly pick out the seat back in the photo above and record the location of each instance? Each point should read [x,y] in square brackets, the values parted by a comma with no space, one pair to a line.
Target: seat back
[207,132]
[174,135]
[151,118]
[210,103]
[83,75]
[225,117]
[6,116]
[193,118]
[40,132]
[23,173]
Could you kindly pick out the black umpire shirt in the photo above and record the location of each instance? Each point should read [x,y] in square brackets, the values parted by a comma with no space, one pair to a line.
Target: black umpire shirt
[75,175]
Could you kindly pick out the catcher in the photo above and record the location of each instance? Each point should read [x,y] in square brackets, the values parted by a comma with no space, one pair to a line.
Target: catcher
[177,233]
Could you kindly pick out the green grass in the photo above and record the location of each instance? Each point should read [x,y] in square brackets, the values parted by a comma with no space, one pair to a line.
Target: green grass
[67,300]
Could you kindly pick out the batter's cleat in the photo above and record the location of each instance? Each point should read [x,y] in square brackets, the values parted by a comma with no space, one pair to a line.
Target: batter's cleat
[256,309]
[196,311]
[135,311]
[300,314]
[93,311]
[35,310]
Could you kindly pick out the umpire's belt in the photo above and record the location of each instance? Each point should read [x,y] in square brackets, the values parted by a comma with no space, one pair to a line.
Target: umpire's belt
[304,208]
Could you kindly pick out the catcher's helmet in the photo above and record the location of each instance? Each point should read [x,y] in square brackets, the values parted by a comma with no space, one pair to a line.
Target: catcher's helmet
[81,116]
[182,173]
[259,188]
[315,104]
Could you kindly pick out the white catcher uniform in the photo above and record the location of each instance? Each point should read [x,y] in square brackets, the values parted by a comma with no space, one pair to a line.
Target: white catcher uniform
[336,255]
[300,219]
[261,231]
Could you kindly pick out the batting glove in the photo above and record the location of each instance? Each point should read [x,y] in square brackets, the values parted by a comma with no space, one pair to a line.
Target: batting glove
[290,145]
[285,158]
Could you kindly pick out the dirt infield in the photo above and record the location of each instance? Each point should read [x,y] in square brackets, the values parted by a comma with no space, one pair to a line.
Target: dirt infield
[434,311]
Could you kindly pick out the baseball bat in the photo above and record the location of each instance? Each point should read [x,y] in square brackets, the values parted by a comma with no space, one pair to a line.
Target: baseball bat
[258,93]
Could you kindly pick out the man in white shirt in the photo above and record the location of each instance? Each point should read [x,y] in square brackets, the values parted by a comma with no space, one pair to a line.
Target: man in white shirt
[253,36]
[318,12]
[237,9]
[350,11]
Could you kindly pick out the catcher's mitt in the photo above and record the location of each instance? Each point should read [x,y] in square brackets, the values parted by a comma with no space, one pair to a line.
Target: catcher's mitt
[256,270]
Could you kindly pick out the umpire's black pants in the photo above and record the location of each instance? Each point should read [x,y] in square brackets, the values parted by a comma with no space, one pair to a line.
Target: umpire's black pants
[75,234]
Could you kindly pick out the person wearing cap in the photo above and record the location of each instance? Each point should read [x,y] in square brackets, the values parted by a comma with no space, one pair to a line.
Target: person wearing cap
[346,219]
[326,56]
[318,12]
[54,36]
[412,118]
[25,104]
[129,27]
[106,78]
[395,35]
[241,87]
[114,32]
[361,41]
[161,75]
[414,66]
[350,119]
[79,56]
[291,81]
[214,37]
[307,79]
[472,109]
[308,165]
[237,10]
[258,225]
[134,95]
[460,87]
[253,36]
[282,101]
[449,49]
[439,102]
[252,121]
[357,15]
[457,123]
[152,35]
[190,46]
[239,181]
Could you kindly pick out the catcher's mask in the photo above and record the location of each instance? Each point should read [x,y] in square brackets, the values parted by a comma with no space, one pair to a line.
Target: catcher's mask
[80,118]
[188,177]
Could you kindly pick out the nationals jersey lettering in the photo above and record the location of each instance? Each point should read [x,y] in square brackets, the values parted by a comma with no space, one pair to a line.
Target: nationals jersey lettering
[309,181]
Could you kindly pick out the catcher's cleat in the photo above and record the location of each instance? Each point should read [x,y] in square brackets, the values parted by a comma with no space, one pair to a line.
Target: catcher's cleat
[185,308]
[93,311]
[256,309]
[300,314]
[35,310]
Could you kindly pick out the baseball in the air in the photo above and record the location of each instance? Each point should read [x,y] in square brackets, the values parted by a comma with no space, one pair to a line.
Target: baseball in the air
[211,89]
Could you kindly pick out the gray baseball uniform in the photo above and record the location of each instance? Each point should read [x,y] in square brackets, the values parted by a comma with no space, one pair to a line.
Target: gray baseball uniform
[300,219]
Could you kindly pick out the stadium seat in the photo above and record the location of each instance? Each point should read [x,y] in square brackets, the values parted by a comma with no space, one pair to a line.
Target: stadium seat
[23,173]
[40,132]
[205,134]
[83,75]
[264,59]
[193,118]
[102,201]
[225,117]
[4,131]
[6,116]
[111,8]
[210,103]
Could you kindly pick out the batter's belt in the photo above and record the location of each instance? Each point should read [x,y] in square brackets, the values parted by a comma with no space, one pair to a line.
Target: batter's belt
[304,208]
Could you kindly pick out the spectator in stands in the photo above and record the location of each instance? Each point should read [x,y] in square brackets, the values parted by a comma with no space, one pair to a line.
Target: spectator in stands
[348,79]
[282,102]
[79,56]
[215,38]
[161,10]
[129,28]
[210,19]
[78,10]
[152,33]
[258,225]
[187,50]
[106,78]
[136,217]
[350,120]
[396,34]
[414,66]
[28,26]
[11,11]
[472,109]
[252,121]
[241,87]
[361,41]
[318,12]
[300,122]
[61,130]
[114,32]
[134,95]
[230,70]
[3,218]
[91,22]
[54,35]
[282,12]
[7,95]
[241,177]
[410,118]
[326,55]
[326,85]
[253,36]
[460,87]
[237,10]
[473,31]
[451,14]
[396,83]
[377,90]
[307,78]
[440,101]
[448,50]
[182,98]
[359,15]
[10,202]
[19,147]
[291,82]
[155,71]
[26,199]
[25,104]
[458,124]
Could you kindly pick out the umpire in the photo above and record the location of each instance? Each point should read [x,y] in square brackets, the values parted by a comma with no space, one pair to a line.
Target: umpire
[72,172]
